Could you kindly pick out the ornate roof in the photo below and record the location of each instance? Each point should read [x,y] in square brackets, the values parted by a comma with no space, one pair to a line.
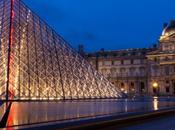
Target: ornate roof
[169,29]
[127,53]
[168,32]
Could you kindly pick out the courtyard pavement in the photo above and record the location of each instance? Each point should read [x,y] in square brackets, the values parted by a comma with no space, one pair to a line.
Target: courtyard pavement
[167,123]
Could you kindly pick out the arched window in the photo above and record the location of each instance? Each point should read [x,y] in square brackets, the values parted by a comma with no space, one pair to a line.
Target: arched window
[142,87]
[122,84]
[132,84]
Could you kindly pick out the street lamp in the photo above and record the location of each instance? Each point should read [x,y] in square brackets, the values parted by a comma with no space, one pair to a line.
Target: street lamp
[155,88]
[155,85]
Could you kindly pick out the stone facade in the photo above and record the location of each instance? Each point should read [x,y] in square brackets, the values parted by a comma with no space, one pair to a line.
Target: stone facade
[145,71]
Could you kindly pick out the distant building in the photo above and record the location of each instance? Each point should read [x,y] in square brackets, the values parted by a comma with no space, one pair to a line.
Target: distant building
[146,71]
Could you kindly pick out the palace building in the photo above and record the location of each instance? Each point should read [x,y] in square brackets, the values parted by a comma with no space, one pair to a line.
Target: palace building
[144,71]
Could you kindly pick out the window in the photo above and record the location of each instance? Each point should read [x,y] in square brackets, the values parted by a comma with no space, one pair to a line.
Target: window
[132,84]
[132,88]
[167,81]
[112,62]
[154,70]
[154,90]
[155,59]
[124,54]
[143,53]
[166,70]
[133,53]
[142,71]
[122,62]
[142,87]
[167,89]
[166,58]
[127,62]
[117,63]
[132,71]
[105,55]
[174,88]
[115,54]
[122,70]
[107,63]
[137,61]
[142,61]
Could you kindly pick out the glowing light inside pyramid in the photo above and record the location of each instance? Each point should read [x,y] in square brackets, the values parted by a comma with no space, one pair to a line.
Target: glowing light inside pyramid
[42,66]
[12,71]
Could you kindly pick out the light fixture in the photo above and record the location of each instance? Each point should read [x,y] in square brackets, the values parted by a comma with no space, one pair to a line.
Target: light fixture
[155,85]
[122,89]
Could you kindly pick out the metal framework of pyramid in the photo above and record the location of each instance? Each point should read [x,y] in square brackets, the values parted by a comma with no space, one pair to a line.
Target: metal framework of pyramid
[37,64]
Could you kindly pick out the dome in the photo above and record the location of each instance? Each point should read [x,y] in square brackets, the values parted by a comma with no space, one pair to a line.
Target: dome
[169,29]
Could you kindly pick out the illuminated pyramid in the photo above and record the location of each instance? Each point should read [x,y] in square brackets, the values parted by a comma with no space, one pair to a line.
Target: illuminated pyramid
[37,64]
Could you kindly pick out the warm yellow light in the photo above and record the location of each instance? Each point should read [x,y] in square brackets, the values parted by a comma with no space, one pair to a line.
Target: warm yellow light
[155,103]
[122,89]
[34,98]
[51,98]
[133,89]
[155,85]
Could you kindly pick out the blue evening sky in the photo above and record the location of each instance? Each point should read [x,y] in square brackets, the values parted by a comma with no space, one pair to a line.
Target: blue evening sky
[109,24]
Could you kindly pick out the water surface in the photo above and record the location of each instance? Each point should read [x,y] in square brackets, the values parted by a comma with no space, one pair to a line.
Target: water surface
[22,113]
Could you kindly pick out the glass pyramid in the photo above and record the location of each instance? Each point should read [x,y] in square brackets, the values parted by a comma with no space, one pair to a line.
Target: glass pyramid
[37,64]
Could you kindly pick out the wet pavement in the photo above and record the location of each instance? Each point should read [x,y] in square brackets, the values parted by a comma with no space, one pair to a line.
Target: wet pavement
[24,113]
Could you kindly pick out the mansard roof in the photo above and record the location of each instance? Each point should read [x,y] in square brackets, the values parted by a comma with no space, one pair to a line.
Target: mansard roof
[136,52]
